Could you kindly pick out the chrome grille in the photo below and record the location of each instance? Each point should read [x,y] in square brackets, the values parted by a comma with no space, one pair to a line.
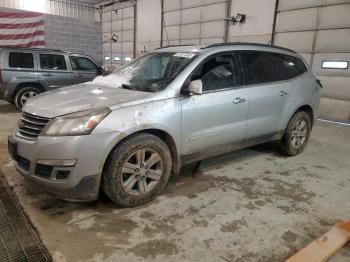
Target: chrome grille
[30,125]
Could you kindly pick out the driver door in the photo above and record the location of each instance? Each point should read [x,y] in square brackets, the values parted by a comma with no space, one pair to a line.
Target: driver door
[216,121]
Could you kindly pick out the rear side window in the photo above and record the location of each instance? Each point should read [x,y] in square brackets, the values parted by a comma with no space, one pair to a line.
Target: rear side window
[52,62]
[288,66]
[82,63]
[295,66]
[264,67]
[259,67]
[21,60]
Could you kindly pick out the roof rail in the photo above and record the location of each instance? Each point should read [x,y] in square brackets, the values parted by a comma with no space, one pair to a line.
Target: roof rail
[248,43]
[173,46]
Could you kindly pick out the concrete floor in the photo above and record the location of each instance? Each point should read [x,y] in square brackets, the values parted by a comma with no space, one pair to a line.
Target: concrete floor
[251,205]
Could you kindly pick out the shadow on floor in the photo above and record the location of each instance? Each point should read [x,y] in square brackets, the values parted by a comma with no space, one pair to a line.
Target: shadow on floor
[186,177]
[8,108]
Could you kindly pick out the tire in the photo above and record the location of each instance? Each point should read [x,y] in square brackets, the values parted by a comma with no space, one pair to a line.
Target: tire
[296,138]
[129,189]
[24,94]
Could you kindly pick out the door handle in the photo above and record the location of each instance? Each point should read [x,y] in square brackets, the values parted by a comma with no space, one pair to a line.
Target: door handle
[77,75]
[238,100]
[283,93]
[47,74]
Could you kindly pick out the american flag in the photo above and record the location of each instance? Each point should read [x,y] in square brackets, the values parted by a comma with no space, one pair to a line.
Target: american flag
[23,29]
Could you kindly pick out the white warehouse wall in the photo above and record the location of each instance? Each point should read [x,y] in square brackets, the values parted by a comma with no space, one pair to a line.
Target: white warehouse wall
[259,21]
[148,25]
[187,22]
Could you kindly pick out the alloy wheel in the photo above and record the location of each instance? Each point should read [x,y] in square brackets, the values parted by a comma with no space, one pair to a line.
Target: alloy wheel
[26,95]
[141,172]
[299,133]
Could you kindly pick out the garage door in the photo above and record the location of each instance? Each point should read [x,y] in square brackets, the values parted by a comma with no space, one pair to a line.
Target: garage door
[118,22]
[320,31]
[193,21]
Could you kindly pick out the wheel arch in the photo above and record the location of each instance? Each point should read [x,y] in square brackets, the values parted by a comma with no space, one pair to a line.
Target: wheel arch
[308,109]
[27,84]
[161,134]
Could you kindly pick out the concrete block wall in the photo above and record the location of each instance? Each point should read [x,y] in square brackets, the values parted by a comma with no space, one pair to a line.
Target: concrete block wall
[74,35]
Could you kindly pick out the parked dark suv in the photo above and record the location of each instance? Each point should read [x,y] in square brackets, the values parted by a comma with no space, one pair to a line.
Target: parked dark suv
[26,72]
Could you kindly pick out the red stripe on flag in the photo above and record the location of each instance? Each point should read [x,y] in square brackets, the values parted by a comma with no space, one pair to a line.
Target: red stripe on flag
[20,26]
[31,44]
[19,15]
[21,36]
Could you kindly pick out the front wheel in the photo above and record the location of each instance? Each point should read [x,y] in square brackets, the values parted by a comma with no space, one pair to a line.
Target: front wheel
[137,170]
[24,94]
[296,135]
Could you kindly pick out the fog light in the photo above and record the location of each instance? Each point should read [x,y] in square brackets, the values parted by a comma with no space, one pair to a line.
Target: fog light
[57,162]
[62,174]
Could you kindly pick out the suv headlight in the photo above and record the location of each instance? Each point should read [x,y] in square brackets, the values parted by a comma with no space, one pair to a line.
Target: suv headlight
[80,123]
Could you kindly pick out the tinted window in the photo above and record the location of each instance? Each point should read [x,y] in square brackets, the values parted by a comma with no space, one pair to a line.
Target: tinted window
[82,63]
[220,72]
[295,66]
[54,62]
[280,66]
[21,60]
[288,66]
[259,67]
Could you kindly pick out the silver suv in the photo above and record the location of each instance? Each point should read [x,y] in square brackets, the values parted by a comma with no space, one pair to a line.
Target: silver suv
[26,72]
[127,132]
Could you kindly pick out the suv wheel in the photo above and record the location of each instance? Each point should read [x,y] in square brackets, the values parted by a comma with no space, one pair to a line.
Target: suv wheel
[297,134]
[137,170]
[24,94]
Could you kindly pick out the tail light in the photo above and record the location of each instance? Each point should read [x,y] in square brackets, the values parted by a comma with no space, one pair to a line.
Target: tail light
[1,80]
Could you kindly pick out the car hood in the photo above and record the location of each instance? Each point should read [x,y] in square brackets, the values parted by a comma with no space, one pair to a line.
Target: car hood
[81,97]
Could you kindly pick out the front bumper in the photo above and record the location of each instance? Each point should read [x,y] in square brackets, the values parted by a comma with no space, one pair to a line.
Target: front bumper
[81,181]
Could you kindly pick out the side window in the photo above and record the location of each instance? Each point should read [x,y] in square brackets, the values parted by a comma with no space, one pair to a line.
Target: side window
[21,60]
[294,66]
[280,65]
[53,62]
[290,65]
[82,63]
[220,72]
[259,67]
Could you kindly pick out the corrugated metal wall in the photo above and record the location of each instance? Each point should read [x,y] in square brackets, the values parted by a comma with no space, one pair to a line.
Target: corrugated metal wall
[259,20]
[194,21]
[68,8]
[320,31]
[118,20]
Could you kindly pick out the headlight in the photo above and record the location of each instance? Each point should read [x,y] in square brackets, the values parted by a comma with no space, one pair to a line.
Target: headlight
[80,123]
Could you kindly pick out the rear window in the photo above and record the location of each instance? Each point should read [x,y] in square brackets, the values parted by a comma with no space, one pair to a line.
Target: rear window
[53,62]
[21,60]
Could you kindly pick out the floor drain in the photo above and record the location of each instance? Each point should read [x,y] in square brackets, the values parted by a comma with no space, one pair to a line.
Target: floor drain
[18,239]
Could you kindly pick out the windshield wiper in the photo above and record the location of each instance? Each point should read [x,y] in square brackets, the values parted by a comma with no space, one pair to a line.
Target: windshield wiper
[130,87]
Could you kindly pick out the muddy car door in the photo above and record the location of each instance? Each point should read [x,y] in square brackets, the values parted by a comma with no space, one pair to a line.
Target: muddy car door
[215,121]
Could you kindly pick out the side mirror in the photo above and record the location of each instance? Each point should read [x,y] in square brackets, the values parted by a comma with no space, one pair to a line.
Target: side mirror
[102,71]
[195,87]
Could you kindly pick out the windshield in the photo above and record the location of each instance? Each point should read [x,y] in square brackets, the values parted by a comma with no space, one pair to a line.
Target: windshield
[149,73]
